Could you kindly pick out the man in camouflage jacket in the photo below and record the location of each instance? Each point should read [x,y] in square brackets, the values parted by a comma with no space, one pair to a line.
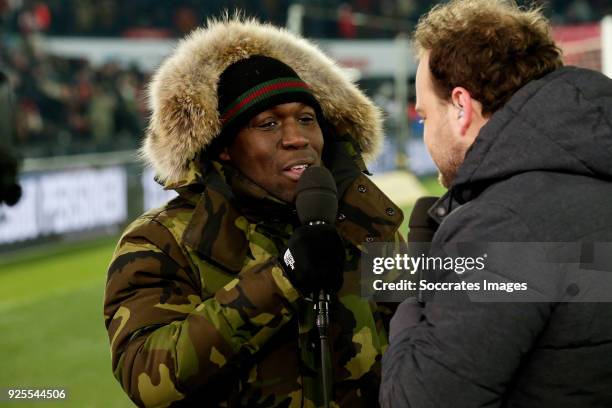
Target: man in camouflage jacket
[198,308]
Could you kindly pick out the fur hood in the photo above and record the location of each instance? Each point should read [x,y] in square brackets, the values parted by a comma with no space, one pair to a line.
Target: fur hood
[183,91]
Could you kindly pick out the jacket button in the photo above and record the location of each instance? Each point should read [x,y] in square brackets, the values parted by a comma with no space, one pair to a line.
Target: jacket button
[341,217]
[390,211]
[440,211]
[369,239]
[362,188]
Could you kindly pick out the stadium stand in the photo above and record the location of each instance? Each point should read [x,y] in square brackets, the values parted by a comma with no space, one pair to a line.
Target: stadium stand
[69,105]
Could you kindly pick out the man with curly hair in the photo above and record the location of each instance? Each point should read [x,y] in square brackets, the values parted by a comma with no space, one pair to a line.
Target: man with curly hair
[524,146]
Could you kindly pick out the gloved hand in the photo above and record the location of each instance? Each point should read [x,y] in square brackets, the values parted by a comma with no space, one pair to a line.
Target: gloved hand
[314,259]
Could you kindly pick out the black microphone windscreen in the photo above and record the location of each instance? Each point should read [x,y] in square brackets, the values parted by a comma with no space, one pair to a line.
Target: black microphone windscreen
[317,196]
[13,194]
[422,226]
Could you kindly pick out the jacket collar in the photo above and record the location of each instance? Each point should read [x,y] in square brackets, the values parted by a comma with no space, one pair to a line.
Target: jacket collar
[228,204]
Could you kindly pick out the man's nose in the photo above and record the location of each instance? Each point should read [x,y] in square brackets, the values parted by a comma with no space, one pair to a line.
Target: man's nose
[293,137]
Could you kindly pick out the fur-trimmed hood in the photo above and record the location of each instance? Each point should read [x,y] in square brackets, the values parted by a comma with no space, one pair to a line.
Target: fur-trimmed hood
[183,91]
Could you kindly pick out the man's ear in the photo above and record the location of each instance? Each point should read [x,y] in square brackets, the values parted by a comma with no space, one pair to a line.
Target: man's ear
[224,154]
[463,103]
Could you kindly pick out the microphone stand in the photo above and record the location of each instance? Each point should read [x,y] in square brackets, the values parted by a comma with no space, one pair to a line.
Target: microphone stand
[322,325]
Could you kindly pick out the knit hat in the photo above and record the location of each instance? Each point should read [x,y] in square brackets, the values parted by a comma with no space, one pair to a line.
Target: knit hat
[252,85]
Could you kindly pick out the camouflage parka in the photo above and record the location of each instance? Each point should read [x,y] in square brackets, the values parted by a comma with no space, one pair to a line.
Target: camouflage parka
[197,308]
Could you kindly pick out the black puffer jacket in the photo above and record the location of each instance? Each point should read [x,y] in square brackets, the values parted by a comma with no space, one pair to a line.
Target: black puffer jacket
[539,171]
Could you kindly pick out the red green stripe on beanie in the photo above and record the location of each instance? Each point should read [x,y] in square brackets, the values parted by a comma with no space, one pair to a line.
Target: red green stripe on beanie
[260,93]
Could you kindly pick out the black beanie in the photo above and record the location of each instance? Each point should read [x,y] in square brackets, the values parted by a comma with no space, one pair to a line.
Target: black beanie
[252,85]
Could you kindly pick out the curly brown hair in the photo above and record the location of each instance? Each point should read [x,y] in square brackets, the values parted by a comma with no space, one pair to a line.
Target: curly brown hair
[490,47]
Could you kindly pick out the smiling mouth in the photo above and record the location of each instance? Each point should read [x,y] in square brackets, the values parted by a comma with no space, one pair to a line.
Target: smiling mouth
[295,172]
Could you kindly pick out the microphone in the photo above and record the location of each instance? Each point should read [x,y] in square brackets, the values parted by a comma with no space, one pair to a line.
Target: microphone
[317,197]
[421,229]
[421,226]
[10,191]
[10,194]
[316,202]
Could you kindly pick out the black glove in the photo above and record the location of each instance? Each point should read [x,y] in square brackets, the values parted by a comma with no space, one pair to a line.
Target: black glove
[314,259]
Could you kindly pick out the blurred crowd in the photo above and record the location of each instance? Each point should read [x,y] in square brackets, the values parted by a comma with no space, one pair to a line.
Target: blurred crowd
[326,18]
[67,106]
[158,18]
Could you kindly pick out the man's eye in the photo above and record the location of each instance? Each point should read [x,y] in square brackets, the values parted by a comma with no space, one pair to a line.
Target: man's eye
[268,124]
[307,119]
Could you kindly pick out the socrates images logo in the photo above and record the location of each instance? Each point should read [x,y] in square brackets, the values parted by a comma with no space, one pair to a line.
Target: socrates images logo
[288,258]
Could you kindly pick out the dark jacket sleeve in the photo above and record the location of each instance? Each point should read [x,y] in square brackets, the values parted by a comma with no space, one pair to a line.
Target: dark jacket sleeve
[453,351]
[165,339]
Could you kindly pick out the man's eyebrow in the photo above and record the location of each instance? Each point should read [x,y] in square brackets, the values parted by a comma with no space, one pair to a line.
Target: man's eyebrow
[305,105]
[307,109]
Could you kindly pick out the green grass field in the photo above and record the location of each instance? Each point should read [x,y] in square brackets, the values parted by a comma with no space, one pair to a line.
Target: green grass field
[52,328]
